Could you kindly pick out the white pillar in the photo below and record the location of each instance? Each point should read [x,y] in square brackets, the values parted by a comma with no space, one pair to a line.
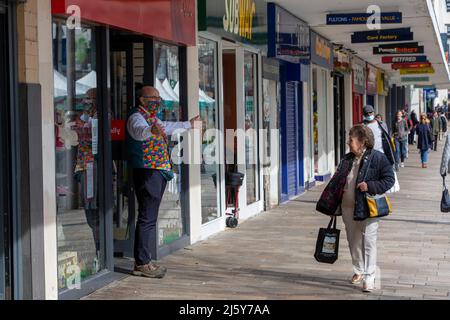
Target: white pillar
[44,23]
[195,203]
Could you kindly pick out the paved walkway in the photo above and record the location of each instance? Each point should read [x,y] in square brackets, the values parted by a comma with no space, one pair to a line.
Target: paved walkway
[270,256]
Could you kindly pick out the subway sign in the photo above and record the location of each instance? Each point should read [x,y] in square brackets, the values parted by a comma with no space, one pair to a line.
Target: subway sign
[238,17]
[387,35]
[404,59]
[403,48]
[362,18]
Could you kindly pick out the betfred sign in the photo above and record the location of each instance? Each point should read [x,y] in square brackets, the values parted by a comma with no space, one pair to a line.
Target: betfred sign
[404,59]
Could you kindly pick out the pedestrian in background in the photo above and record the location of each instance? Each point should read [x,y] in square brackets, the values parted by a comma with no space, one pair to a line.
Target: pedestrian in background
[424,139]
[415,122]
[435,128]
[400,133]
[382,141]
[362,230]
[444,123]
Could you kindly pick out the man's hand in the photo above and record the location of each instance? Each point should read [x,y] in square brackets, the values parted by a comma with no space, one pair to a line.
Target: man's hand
[363,187]
[193,121]
[157,129]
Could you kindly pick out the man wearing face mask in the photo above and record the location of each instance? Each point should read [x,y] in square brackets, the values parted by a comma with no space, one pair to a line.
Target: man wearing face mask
[380,132]
[149,156]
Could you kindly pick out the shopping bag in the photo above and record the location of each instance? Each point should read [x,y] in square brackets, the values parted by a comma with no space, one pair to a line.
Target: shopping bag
[445,201]
[327,245]
[396,187]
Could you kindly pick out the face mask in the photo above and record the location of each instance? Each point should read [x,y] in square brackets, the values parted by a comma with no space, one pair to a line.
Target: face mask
[84,117]
[153,107]
[369,118]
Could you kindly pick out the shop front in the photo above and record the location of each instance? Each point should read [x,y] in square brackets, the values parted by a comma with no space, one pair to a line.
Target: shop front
[322,106]
[289,42]
[232,40]
[371,87]
[98,68]
[382,91]
[359,89]
[341,84]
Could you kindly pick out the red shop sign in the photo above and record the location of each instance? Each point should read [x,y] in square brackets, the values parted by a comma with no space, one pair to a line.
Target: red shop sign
[118,130]
[413,65]
[172,20]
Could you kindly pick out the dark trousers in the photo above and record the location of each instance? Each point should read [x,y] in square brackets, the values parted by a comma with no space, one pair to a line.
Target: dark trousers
[435,141]
[411,136]
[149,185]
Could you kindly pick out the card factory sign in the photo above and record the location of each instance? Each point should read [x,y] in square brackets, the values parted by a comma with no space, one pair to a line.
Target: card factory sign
[404,59]
[403,48]
[387,35]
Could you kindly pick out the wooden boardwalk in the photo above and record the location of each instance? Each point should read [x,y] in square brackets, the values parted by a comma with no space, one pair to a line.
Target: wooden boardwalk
[270,256]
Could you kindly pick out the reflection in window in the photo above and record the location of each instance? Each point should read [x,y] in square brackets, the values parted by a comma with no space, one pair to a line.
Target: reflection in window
[170,222]
[207,52]
[251,128]
[79,222]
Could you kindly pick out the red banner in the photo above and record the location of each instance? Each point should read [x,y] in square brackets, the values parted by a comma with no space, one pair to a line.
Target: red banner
[413,65]
[172,20]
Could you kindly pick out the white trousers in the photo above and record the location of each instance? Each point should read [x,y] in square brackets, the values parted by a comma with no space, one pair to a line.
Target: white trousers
[362,241]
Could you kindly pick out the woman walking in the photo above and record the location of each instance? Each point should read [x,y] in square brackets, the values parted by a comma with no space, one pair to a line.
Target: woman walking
[424,139]
[367,171]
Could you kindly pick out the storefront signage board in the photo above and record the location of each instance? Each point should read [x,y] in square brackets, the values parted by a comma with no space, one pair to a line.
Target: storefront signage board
[416,71]
[404,59]
[239,20]
[359,76]
[402,48]
[321,51]
[362,18]
[414,65]
[371,79]
[387,35]
[289,37]
[170,20]
[415,79]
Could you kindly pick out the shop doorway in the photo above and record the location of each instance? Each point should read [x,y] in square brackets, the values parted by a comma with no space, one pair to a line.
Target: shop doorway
[124,206]
[241,78]
[136,61]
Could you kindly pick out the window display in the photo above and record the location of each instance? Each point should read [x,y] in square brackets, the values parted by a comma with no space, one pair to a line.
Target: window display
[79,221]
[207,52]
[251,127]
[170,222]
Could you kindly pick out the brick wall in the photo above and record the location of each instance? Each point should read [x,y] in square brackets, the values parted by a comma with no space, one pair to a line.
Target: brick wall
[27,39]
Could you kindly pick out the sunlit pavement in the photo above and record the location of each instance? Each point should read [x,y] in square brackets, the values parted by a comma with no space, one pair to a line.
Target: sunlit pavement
[270,256]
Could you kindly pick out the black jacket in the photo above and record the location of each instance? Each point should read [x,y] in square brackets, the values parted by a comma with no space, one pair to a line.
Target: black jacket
[379,177]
